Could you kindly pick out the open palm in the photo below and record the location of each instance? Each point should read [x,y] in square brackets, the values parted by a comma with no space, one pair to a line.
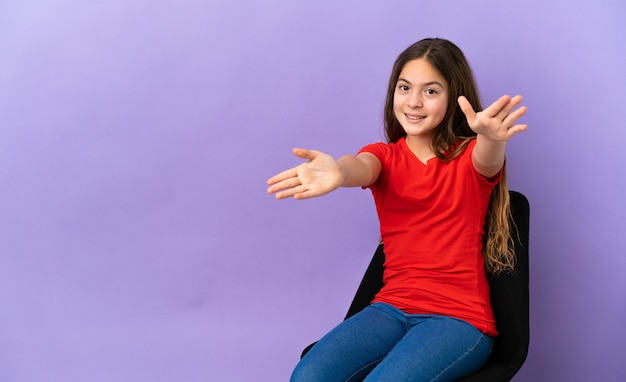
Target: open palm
[318,176]
[498,120]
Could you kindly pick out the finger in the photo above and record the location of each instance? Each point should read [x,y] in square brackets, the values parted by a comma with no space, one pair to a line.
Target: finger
[515,115]
[497,106]
[306,194]
[294,192]
[517,129]
[506,108]
[517,100]
[292,172]
[284,185]
[512,104]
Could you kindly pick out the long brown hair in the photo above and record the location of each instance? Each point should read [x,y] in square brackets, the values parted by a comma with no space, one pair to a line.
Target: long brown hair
[453,135]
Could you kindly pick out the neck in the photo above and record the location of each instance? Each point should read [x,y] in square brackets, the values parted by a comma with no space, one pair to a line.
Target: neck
[421,147]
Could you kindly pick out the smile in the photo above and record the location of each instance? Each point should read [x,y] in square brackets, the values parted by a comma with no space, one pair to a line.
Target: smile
[414,118]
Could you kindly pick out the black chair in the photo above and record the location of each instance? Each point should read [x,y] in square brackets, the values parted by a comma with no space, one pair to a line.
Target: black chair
[509,299]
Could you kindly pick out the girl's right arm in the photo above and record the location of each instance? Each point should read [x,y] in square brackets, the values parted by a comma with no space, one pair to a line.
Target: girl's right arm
[322,174]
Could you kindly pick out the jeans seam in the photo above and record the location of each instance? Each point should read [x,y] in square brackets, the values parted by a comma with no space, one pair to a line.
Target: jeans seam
[404,320]
[482,336]
[363,368]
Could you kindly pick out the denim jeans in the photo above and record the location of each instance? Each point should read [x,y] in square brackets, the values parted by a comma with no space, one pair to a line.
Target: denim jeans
[382,343]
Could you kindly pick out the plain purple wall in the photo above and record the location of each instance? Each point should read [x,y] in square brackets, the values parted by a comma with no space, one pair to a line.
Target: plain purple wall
[137,242]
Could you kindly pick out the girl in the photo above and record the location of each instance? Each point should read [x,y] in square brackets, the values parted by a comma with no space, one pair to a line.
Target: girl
[439,175]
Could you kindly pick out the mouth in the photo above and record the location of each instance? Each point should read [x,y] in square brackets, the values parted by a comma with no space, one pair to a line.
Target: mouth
[414,117]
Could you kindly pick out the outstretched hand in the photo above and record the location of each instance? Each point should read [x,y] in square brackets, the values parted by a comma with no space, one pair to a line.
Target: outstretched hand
[318,176]
[496,122]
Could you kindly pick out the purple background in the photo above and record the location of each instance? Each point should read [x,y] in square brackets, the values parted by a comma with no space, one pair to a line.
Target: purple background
[137,242]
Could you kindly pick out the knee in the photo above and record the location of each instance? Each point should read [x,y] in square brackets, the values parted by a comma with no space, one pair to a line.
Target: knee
[304,372]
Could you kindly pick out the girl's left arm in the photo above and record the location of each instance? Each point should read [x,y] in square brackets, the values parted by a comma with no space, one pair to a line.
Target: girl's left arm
[494,126]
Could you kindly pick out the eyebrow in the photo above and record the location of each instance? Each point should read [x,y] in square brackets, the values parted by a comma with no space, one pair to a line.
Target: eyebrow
[429,83]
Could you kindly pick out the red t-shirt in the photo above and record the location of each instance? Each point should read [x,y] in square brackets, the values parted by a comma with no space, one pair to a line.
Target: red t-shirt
[431,221]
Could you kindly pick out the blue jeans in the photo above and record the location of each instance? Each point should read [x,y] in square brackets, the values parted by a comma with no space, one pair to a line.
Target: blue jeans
[382,343]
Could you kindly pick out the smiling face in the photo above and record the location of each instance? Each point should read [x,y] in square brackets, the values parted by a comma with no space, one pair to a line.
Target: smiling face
[420,100]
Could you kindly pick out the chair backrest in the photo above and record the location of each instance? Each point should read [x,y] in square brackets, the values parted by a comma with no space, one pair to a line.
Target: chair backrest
[509,291]
[509,299]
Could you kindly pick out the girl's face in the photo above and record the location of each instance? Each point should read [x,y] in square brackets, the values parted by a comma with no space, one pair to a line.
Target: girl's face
[420,100]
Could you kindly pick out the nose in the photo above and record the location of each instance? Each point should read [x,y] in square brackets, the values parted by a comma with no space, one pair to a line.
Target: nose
[415,100]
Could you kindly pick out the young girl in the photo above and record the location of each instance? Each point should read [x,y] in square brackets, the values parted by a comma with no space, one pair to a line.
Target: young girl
[434,183]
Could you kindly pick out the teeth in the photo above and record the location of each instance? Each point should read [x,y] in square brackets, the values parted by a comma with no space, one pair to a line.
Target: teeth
[414,117]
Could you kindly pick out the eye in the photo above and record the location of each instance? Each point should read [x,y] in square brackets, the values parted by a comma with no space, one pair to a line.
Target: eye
[431,91]
[403,88]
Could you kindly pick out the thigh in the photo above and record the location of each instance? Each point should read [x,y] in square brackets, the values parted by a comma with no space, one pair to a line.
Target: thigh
[352,349]
[437,349]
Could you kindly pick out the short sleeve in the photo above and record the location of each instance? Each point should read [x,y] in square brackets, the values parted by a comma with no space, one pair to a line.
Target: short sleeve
[379,149]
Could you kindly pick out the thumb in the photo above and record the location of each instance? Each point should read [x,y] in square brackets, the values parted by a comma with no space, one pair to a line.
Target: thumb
[305,154]
[466,108]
